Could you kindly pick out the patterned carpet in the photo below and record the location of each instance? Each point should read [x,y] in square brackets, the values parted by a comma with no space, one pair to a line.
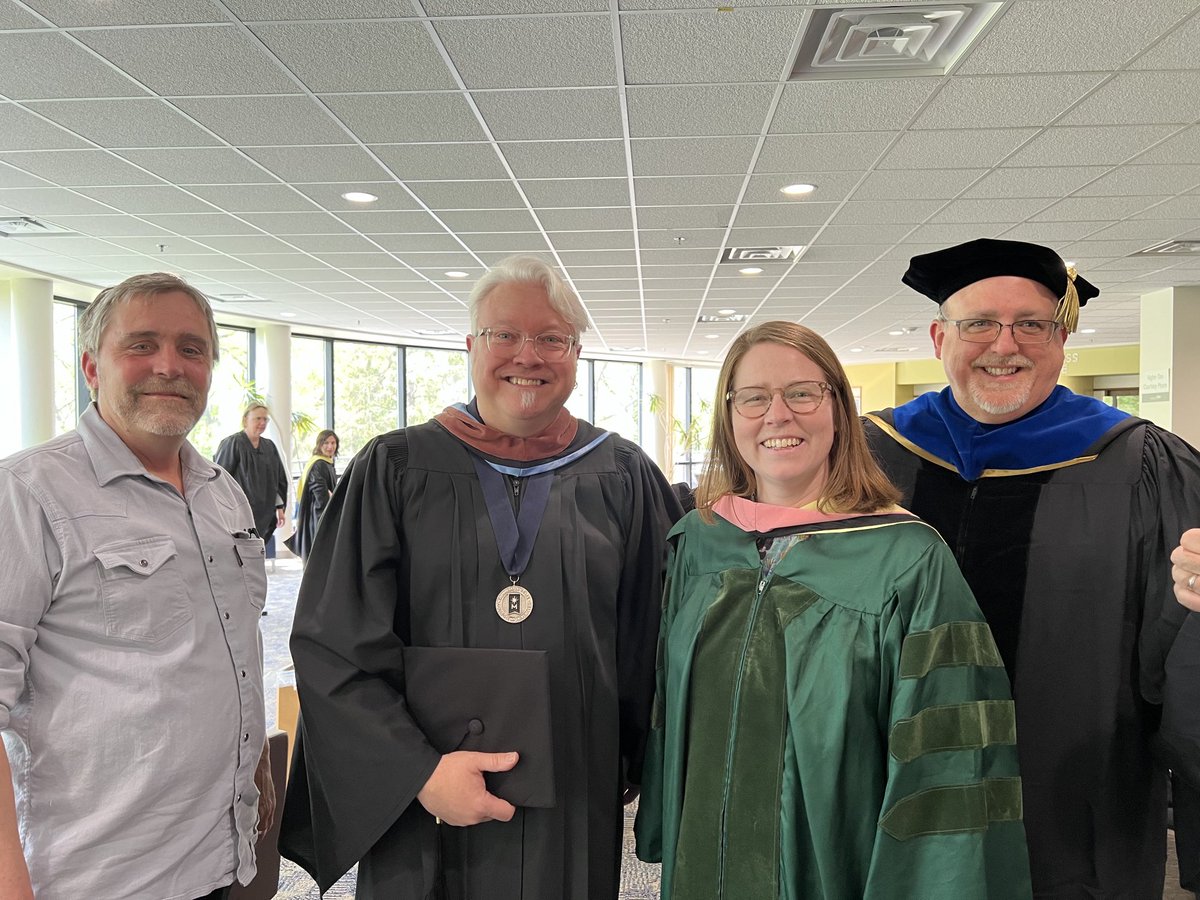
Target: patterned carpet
[639,881]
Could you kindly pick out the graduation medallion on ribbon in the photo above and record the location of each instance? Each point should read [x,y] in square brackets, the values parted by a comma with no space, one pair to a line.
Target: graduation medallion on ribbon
[515,533]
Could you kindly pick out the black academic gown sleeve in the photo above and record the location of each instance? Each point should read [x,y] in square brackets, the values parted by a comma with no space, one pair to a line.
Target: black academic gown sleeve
[654,508]
[349,601]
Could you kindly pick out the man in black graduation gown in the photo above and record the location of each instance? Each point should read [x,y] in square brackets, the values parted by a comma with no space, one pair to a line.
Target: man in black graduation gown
[255,464]
[1062,513]
[506,523]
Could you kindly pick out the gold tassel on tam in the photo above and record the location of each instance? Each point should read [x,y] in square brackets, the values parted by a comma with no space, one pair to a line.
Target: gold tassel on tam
[1067,311]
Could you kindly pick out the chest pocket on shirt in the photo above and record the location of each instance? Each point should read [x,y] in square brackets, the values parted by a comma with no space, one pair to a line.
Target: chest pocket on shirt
[252,553]
[141,590]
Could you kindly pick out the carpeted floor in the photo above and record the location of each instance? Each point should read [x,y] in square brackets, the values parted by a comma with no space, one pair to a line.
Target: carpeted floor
[639,881]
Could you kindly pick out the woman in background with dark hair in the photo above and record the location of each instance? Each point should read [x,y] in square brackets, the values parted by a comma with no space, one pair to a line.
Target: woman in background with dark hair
[313,491]
[832,718]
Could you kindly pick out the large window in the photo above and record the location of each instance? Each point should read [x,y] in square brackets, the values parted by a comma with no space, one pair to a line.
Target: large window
[691,428]
[366,393]
[617,398]
[311,361]
[70,389]
[227,396]
[434,379]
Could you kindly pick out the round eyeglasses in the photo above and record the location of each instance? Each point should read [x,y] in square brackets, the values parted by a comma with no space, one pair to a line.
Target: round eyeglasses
[551,346]
[800,396]
[984,331]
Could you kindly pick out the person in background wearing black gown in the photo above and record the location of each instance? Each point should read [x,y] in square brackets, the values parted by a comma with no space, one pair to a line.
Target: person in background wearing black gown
[313,491]
[255,464]
[512,493]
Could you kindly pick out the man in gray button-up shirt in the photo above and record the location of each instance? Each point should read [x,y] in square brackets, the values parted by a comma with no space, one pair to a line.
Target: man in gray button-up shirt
[131,697]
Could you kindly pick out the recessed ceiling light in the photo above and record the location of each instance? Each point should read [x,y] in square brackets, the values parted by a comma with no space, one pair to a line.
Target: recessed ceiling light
[797,190]
[288,315]
[1087,330]
[896,331]
[359,197]
[856,349]
[751,270]
[702,352]
[456,274]
[712,337]
[726,312]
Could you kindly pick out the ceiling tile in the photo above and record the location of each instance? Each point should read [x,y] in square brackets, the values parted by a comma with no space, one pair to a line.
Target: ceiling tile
[846,106]
[931,184]
[264,121]
[684,190]
[44,65]
[377,222]
[798,154]
[572,51]
[508,242]
[22,130]
[141,199]
[414,243]
[1133,179]
[1029,37]
[399,56]
[590,240]
[782,215]
[69,13]
[1004,102]
[241,198]
[318,164]
[267,10]
[676,218]
[126,123]
[684,156]
[1048,182]
[550,115]
[597,219]
[78,168]
[576,192]
[1141,98]
[399,118]
[1082,209]
[566,159]
[1177,51]
[202,59]
[1093,146]
[981,147]
[468,194]
[329,196]
[466,222]
[1006,210]
[668,48]
[505,7]
[39,202]
[114,226]
[441,161]
[864,212]
[199,166]
[697,109]
[202,225]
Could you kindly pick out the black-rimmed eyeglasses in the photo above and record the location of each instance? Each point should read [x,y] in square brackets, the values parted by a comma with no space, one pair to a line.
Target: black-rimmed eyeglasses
[1024,331]
[551,346]
[800,396]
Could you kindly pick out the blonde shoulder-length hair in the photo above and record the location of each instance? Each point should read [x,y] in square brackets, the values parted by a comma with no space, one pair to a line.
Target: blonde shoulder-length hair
[856,483]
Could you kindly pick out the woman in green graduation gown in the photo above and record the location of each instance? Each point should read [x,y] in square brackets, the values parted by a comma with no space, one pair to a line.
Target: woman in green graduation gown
[832,719]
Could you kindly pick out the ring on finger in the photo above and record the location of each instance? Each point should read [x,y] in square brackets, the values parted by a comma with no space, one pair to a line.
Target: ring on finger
[1191,583]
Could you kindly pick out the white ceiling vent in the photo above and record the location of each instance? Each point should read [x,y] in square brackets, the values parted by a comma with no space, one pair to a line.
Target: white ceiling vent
[708,320]
[1170,248]
[236,298]
[26,226]
[889,41]
[760,254]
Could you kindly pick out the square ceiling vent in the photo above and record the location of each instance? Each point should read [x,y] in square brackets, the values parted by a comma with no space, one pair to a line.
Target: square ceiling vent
[889,41]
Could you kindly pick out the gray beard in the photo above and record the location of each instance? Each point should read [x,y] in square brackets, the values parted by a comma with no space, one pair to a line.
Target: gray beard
[983,400]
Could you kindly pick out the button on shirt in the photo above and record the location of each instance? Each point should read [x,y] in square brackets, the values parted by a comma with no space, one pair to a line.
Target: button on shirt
[131,692]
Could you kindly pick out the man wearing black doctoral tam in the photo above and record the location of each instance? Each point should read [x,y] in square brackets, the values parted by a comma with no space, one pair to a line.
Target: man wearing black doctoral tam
[1062,513]
[506,524]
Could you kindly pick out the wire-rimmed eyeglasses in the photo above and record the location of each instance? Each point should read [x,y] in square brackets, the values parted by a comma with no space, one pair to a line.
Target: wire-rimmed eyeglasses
[1024,331]
[551,346]
[800,396]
